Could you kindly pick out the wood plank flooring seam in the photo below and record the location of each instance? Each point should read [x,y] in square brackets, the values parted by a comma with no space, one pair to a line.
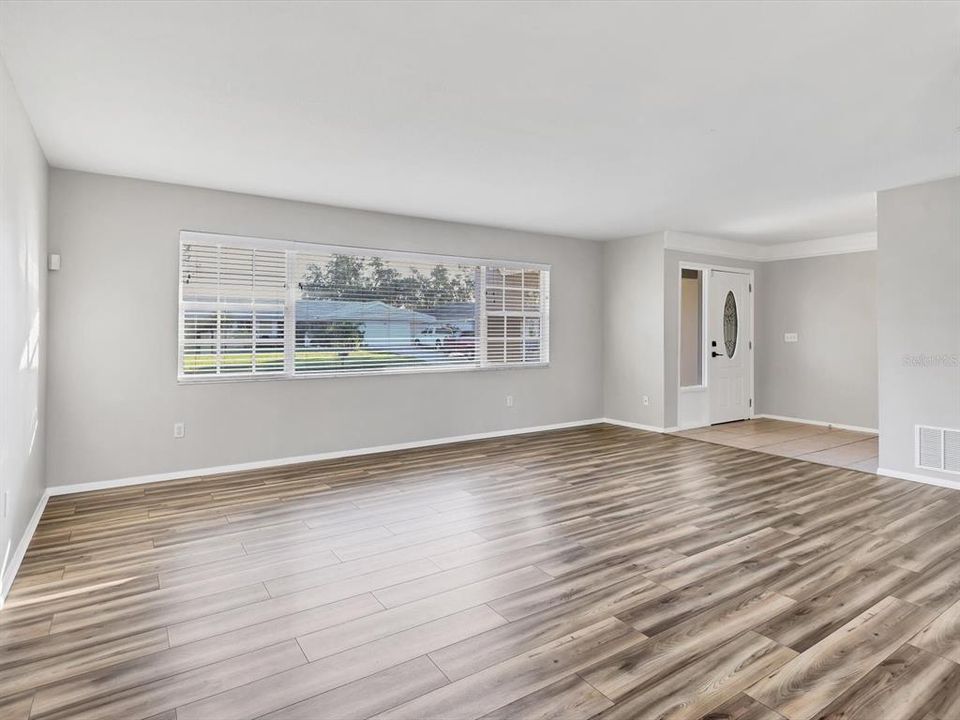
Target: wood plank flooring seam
[770,709]
[440,669]
[911,643]
[579,674]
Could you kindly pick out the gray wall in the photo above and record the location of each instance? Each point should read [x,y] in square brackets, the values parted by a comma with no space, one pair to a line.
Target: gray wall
[112,413]
[918,272]
[23,327]
[633,329]
[830,375]
[671,318]
[111,417]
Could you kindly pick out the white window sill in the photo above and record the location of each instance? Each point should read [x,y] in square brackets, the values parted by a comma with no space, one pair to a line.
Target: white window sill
[240,377]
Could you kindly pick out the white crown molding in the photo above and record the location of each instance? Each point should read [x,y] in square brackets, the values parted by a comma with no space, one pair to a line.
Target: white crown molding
[720,247]
[839,245]
[716,247]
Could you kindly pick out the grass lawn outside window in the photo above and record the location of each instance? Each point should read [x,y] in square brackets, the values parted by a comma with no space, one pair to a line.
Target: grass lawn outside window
[304,361]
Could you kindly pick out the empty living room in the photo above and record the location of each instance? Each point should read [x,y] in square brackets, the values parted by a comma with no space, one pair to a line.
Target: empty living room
[479,360]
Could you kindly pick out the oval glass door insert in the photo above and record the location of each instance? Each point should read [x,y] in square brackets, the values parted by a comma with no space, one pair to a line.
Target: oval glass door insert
[730,324]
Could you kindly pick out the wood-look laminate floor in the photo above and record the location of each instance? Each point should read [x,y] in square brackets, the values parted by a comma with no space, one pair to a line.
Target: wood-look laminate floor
[592,572]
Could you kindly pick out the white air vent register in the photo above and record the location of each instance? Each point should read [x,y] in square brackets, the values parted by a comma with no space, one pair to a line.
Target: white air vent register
[938,449]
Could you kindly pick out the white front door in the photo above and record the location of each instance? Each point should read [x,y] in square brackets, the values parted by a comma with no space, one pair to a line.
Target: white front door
[729,340]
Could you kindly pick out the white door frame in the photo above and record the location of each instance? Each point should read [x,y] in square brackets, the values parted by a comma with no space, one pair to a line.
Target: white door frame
[704,345]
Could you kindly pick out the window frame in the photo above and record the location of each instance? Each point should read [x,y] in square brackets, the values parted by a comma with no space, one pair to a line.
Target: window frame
[702,334]
[295,246]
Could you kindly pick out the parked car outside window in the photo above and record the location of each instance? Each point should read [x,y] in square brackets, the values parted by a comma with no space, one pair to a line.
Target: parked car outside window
[462,344]
[433,337]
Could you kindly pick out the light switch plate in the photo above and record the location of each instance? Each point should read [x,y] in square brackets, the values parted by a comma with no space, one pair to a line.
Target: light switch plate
[790,337]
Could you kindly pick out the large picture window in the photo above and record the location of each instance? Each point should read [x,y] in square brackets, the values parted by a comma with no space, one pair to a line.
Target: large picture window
[259,308]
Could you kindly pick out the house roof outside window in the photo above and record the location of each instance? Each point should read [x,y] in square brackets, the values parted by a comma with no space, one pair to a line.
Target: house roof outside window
[373,311]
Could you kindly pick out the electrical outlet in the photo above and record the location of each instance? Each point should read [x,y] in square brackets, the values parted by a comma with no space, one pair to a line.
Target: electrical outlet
[645,399]
[509,400]
[790,337]
[178,430]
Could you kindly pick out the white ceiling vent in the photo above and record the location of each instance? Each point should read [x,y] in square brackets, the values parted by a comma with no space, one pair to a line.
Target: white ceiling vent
[938,449]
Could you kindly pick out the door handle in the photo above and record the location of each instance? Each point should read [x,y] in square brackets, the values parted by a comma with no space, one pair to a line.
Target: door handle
[714,353]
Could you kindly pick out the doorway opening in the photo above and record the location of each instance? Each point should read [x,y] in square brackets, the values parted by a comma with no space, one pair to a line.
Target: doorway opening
[715,353]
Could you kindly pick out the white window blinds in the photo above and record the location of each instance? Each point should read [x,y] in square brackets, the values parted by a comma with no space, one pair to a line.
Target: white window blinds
[232,318]
[513,302]
[260,308]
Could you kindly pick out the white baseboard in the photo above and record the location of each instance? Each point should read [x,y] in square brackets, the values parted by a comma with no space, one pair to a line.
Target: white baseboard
[637,426]
[294,460]
[692,426]
[839,426]
[916,477]
[10,572]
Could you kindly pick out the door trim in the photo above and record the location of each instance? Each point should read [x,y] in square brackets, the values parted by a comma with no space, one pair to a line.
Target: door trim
[704,308]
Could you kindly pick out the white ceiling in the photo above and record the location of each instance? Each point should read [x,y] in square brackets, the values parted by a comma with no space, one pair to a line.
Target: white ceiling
[766,122]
